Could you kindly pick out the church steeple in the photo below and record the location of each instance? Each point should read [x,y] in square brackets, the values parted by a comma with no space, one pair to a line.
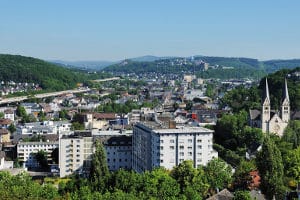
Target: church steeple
[266,95]
[285,92]
[285,106]
[265,113]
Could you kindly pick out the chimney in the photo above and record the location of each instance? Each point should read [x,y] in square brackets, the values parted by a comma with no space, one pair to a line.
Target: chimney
[172,124]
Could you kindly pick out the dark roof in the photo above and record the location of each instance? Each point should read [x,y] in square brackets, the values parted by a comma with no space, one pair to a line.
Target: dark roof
[223,195]
[8,111]
[122,140]
[295,115]
[104,115]
[255,114]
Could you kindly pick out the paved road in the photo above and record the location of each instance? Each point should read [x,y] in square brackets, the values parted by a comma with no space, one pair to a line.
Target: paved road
[107,79]
[50,94]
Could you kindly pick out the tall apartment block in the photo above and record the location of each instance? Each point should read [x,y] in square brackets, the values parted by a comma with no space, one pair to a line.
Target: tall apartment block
[75,153]
[157,144]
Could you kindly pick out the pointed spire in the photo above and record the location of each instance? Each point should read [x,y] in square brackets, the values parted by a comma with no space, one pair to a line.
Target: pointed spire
[266,92]
[285,92]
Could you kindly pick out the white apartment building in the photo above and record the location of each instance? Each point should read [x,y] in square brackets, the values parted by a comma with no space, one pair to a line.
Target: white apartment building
[118,147]
[9,114]
[42,128]
[159,145]
[75,153]
[26,151]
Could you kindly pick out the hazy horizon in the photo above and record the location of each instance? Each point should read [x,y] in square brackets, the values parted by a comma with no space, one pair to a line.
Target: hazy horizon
[116,30]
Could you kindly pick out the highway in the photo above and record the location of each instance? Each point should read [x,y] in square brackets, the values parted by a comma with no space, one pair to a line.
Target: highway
[39,96]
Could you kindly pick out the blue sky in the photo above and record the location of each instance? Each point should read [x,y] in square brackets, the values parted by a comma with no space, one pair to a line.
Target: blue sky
[114,30]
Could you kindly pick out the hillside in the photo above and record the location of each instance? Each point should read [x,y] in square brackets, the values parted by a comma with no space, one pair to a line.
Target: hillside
[26,69]
[219,67]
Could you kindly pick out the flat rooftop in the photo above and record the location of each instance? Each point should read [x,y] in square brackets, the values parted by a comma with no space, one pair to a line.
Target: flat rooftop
[163,127]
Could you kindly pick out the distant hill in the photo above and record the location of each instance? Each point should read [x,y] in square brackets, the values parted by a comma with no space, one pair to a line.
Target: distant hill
[274,65]
[149,58]
[220,67]
[31,70]
[89,65]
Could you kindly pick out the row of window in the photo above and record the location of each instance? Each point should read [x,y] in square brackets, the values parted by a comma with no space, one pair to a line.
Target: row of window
[120,160]
[181,147]
[37,145]
[182,141]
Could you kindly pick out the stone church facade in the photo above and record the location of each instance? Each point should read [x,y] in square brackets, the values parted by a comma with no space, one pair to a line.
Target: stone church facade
[272,121]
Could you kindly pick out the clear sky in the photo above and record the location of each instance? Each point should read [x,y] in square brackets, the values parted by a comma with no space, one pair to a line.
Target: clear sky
[114,30]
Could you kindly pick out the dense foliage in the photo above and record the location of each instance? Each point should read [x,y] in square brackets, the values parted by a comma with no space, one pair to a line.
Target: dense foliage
[249,98]
[49,76]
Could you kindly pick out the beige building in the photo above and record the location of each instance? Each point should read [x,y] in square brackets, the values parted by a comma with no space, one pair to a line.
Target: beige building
[75,153]
[272,121]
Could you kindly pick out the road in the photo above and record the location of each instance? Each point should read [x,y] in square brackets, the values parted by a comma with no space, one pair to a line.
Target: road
[107,79]
[39,96]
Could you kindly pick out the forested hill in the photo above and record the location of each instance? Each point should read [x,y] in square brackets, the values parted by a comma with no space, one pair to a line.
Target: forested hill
[217,67]
[31,70]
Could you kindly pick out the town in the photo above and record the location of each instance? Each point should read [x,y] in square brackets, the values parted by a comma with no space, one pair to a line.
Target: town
[143,121]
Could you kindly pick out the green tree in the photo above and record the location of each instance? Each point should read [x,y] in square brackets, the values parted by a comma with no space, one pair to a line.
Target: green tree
[269,163]
[292,133]
[77,126]
[242,174]
[1,115]
[292,164]
[242,195]
[55,155]
[42,158]
[158,184]
[99,172]
[218,174]
[191,180]
[12,128]
[21,112]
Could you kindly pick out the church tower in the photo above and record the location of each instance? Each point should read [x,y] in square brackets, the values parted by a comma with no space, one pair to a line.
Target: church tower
[285,106]
[266,109]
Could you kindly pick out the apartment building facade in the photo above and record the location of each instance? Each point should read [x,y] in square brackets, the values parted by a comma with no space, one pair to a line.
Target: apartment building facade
[159,145]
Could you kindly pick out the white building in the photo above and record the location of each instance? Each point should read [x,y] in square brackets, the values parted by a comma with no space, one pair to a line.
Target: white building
[75,153]
[158,145]
[42,128]
[26,151]
[272,121]
[9,114]
[118,147]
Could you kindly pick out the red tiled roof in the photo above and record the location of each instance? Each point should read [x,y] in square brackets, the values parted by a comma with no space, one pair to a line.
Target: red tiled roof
[3,131]
[104,115]
[5,121]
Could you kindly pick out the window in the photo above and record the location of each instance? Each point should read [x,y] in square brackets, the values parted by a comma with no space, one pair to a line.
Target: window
[190,153]
[181,160]
[181,141]
[181,147]
[172,147]
[172,141]
[190,140]
[161,141]
[199,147]
[199,141]
[161,147]
[181,153]
[161,161]
[189,148]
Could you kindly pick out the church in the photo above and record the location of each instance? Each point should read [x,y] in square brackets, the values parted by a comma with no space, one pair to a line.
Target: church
[272,121]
